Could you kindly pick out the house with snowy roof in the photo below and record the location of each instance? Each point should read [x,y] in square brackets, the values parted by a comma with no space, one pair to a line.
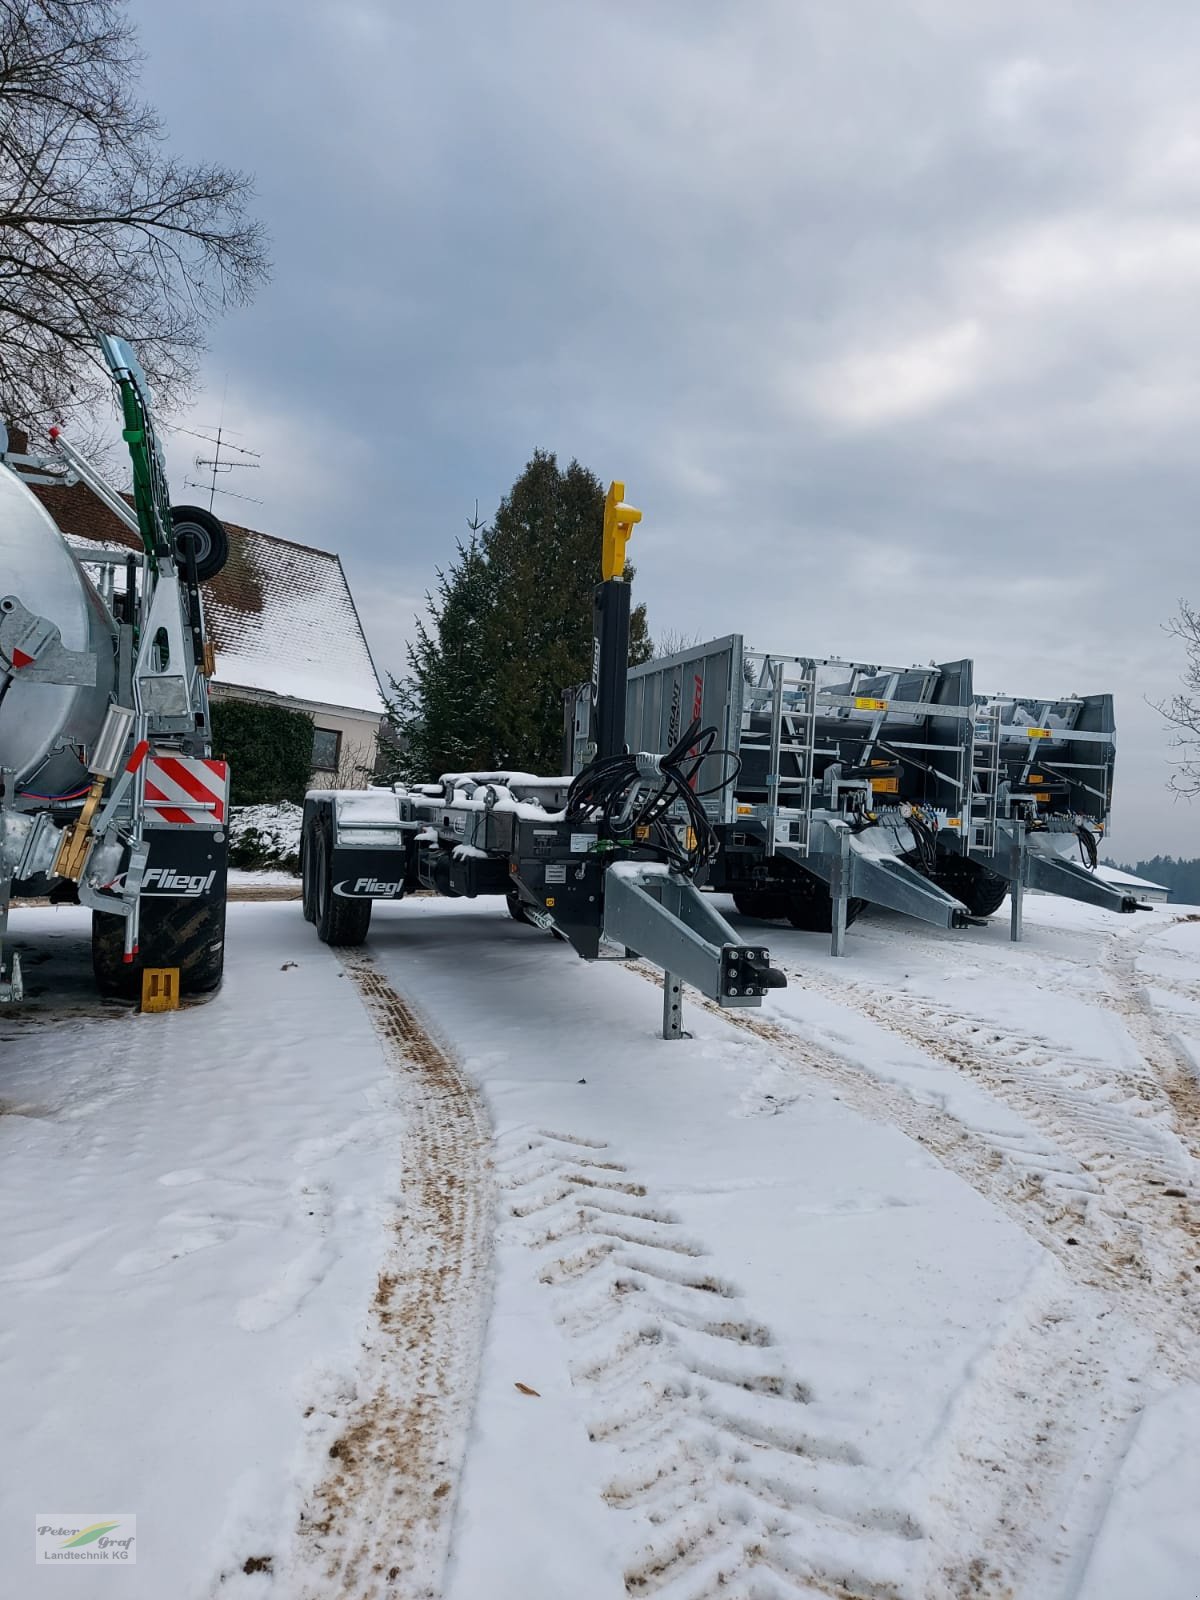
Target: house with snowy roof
[285,630]
[1143,888]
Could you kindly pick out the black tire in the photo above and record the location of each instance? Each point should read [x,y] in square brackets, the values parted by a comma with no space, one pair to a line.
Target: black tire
[308,899]
[810,905]
[981,891]
[208,536]
[769,904]
[187,934]
[340,921]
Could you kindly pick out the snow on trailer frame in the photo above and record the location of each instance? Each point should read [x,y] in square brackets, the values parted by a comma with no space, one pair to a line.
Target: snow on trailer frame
[109,795]
[605,859]
[845,770]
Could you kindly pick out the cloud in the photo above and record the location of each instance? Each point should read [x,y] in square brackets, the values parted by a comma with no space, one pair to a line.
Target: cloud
[883,313]
[893,382]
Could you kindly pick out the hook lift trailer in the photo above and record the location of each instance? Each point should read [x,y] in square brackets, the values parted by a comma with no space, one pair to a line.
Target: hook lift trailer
[610,861]
[836,763]
[862,784]
[1042,785]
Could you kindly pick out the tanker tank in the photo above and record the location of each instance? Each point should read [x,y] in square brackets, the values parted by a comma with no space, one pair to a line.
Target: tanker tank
[45,727]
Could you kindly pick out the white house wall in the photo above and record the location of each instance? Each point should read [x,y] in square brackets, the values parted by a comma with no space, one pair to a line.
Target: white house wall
[359,731]
[359,736]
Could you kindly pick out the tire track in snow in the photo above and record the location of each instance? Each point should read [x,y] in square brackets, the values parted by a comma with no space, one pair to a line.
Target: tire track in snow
[1108,1183]
[379,1522]
[1169,1062]
[1033,1435]
[1021,1469]
[738,1483]
[963,1150]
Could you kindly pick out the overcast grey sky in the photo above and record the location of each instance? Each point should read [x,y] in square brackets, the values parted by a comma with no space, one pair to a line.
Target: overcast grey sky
[885,311]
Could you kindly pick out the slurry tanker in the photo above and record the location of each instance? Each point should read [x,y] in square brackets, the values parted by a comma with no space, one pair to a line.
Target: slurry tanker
[109,793]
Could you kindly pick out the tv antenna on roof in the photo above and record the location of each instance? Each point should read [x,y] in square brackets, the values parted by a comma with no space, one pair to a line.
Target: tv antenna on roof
[218,464]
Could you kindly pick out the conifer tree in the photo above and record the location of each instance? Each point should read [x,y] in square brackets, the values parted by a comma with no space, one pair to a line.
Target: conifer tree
[509,629]
[544,557]
[443,710]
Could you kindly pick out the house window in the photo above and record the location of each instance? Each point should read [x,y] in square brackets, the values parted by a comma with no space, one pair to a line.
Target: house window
[327,747]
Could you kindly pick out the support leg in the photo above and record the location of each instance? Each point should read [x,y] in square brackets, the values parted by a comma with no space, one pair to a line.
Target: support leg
[839,891]
[10,982]
[838,943]
[672,1006]
[1017,896]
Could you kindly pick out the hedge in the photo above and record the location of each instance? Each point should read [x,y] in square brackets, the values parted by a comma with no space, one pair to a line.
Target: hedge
[269,751]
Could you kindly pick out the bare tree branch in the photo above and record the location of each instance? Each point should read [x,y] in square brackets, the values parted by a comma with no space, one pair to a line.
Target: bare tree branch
[672,642]
[1182,710]
[100,229]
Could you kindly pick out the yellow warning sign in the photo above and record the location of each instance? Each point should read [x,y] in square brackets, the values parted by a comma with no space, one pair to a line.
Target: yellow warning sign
[1039,733]
[862,703]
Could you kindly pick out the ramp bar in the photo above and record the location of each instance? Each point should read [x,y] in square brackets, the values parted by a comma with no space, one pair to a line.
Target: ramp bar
[1031,861]
[863,866]
[1072,879]
[660,915]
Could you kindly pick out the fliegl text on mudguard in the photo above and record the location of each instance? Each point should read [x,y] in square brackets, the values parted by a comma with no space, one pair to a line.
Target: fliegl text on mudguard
[186,864]
[368,874]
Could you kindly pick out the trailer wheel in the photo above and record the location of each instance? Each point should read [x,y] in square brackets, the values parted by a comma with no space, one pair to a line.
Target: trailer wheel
[208,536]
[771,905]
[810,905]
[981,891]
[340,921]
[307,883]
[187,934]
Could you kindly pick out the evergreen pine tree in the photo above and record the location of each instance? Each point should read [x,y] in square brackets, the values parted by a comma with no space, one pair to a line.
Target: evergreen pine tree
[443,710]
[544,556]
[509,629]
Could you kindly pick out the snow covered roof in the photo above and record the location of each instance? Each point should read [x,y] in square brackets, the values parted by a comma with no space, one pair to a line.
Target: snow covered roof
[281,614]
[1126,880]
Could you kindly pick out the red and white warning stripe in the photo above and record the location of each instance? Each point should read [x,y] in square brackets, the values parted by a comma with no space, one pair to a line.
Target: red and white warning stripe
[187,790]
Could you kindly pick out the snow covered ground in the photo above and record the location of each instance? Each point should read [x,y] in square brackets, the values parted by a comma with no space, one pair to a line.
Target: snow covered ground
[431,1270]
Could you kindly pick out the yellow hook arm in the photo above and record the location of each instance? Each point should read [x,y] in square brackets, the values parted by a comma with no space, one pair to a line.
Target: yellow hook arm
[619,521]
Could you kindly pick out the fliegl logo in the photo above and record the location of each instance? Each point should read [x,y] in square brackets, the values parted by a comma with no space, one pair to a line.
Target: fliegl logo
[63,1536]
[350,890]
[165,880]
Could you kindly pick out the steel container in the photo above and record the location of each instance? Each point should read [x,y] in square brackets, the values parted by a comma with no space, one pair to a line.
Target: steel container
[46,728]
